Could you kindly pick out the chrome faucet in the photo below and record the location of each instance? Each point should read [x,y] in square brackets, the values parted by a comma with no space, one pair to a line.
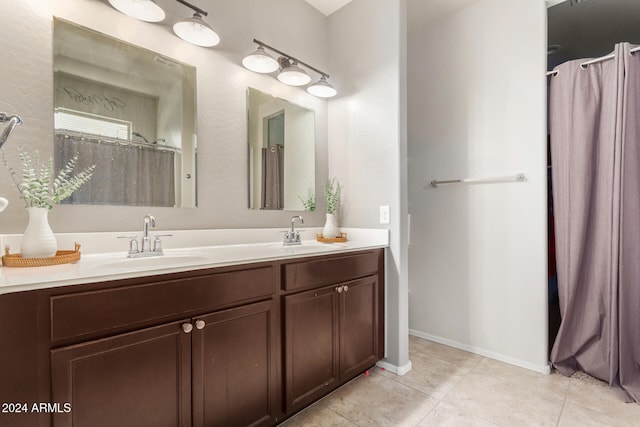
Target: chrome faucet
[292,237]
[145,243]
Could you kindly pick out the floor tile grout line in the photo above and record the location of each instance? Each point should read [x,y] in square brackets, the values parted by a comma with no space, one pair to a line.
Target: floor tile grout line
[564,402]
[441,400]
[458,383]
[463,377]
[438,400]
[344,416]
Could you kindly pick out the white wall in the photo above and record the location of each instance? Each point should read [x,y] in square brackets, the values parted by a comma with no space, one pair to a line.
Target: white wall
[27,90]
[477,108]
[367,140]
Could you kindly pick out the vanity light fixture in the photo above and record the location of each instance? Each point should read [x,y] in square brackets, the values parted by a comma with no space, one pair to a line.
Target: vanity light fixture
[290,71]
[193,30]
[291,74]
[322,88]
[143,10]
[260,61]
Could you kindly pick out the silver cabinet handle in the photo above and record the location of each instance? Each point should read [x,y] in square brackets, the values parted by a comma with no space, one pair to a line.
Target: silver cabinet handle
[346,288]
[199,324]
[187,327]
[339,289]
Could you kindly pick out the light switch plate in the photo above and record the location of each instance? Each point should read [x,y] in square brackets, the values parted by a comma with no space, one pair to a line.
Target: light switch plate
[384,214]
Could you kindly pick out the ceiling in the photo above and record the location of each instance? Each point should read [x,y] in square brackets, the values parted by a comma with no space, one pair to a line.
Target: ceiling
[420,12]
[328,6]
[590,28]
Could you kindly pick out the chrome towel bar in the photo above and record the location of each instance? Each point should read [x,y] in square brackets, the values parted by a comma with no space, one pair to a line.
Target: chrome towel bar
[510,178]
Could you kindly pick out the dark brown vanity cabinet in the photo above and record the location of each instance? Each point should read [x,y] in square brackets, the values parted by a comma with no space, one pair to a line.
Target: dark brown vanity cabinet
[218,368]
[133,379]
[228,346]
[333,332]
[235,375]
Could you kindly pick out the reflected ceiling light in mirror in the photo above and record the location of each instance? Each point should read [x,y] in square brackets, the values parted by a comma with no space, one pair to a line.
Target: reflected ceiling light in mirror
[291,72]
[260,61]
[143,10]
[293,75]
[195,31]
[322,88]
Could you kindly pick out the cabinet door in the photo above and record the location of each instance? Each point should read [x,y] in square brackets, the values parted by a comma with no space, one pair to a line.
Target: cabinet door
[235,375]
[311,346]
[358,326]
[134,379]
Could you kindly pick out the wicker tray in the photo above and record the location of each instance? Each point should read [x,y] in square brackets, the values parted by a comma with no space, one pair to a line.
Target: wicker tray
[341,239]
[61,257]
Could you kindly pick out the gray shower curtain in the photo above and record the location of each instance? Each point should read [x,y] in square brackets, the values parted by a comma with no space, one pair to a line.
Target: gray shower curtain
[273,178]
[595,156]
[124,175]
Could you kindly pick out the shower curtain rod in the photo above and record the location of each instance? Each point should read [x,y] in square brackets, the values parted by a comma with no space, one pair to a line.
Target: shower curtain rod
[594,61]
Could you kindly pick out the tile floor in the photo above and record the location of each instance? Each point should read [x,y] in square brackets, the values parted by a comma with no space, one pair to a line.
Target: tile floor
[450,387]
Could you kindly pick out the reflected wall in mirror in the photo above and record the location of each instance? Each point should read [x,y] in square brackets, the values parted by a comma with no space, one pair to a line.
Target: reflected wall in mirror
[128,110]
[281,152]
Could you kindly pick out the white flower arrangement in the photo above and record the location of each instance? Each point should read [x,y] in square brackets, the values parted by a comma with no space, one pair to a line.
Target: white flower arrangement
[332,195]
[37,189]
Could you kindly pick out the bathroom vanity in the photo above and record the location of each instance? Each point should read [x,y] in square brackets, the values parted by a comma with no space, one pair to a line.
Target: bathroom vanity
[244,344]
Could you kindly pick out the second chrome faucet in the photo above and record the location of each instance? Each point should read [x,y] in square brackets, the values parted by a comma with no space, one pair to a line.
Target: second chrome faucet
[292,237]
[145,248]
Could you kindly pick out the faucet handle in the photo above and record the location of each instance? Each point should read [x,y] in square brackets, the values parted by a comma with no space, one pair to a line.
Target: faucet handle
[133,243]
[157,243]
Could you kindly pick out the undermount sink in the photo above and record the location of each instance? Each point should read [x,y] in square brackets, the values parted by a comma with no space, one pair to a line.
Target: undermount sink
[156,261]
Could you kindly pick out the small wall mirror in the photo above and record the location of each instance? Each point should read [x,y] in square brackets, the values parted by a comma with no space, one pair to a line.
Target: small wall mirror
[281,153]
[128,110]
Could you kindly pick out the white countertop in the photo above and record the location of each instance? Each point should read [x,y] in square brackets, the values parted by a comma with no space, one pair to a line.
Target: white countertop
[190,250]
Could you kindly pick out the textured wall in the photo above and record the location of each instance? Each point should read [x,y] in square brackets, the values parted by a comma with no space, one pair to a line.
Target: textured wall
[27,89]
[367,141]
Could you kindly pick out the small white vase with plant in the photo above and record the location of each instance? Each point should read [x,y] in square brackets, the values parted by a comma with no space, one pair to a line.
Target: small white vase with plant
[39,193]
[332,201]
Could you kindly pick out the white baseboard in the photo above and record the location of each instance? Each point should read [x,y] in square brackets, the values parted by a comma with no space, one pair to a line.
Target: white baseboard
[543,369]
[398,370]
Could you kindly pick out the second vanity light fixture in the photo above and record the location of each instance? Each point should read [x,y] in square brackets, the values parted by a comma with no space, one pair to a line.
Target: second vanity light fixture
[193,30]
[290,71]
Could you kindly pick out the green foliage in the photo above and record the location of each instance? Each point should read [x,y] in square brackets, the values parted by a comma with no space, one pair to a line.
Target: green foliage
[36,187]
[309,202]
[332,195]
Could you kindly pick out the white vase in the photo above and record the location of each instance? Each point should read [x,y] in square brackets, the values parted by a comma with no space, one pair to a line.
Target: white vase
[331,229]
[38,241]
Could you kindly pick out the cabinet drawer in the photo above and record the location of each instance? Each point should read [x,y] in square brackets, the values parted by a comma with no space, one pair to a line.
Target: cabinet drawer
[329,270]
[98,311]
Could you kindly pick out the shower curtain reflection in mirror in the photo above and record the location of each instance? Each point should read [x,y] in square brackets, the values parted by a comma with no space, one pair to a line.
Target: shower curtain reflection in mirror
[126,174]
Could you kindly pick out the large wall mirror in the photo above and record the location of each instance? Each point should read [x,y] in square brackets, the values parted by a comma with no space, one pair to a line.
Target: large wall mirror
[128,110]
[281,152]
